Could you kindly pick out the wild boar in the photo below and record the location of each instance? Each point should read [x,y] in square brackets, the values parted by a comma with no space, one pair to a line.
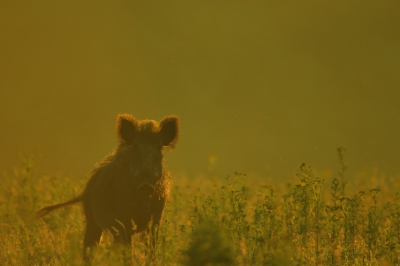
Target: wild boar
[127,191]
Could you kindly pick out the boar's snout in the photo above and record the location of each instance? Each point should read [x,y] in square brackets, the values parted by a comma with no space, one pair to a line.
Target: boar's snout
[146,189]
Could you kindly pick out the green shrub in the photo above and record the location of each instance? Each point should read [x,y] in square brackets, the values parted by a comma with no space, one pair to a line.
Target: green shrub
[237,220]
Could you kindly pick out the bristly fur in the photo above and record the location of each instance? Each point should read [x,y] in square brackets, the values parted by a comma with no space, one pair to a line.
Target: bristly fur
[118,187]
[149,126]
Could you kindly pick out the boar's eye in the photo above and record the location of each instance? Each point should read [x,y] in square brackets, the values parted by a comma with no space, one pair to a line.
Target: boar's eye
[135,146]
[136,155]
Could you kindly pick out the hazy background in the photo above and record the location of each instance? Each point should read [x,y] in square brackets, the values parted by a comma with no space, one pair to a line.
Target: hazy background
[260,86]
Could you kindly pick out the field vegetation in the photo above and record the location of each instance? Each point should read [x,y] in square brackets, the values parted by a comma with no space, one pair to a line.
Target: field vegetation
[316,219]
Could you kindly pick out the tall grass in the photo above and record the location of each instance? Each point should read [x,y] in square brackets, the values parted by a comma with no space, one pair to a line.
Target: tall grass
[235,220]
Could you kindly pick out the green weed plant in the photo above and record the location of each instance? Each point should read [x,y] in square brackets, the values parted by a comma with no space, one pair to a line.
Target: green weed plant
[237,220]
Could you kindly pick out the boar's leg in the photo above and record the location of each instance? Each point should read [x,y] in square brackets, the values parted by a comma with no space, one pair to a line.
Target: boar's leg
[122,232]
[158,209]
[92,237]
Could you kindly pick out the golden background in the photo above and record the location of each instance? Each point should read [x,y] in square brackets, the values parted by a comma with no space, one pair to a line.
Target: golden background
[260,86]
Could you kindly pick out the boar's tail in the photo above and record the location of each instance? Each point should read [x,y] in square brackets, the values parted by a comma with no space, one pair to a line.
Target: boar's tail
[48,209]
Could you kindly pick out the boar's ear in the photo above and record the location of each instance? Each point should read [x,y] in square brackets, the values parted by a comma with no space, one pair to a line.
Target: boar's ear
[169,131]
[126,127]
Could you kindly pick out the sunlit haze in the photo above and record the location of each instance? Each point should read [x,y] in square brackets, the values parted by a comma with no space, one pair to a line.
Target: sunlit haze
[259,86]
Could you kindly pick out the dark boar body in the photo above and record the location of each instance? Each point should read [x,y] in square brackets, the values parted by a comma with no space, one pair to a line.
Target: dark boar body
[127,191]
